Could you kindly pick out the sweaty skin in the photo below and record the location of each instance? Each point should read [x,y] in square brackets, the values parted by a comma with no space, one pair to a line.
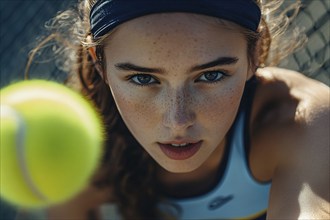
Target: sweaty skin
[289,123]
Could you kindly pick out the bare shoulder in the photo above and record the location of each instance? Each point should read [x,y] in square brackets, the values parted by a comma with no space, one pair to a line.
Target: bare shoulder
[300,86]
[280,88]
[291,109]
[291,129]
[298,108]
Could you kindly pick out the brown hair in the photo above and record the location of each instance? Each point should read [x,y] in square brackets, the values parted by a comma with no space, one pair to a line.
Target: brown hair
[126,166]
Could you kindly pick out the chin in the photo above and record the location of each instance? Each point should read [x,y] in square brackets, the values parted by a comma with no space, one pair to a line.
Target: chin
[175,166]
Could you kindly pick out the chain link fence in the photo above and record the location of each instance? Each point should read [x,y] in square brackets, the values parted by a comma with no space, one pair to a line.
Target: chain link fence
[22,21]
[314,58]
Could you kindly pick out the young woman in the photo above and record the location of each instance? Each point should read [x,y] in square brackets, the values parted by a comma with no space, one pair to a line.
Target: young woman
[198,127]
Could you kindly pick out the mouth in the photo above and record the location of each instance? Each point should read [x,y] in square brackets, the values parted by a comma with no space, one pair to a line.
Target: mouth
[180,151]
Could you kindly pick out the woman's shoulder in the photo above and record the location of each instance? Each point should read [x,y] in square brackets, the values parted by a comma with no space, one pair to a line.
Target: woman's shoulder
[291,97]
[294,81]
[291,143]
[290,116]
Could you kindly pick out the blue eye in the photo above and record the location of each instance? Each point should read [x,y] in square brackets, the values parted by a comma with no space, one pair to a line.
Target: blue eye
[142,79]
[212,76]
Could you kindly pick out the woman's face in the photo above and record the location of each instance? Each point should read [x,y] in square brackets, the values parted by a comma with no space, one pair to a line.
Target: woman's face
[177,80]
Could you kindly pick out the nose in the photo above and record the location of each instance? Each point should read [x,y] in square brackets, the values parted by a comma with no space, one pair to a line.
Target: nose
[179,110]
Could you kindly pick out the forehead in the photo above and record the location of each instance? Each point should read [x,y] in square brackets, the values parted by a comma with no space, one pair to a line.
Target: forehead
[172,32]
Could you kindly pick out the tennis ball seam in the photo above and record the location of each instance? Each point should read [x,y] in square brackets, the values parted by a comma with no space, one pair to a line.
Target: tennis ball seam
[21,150]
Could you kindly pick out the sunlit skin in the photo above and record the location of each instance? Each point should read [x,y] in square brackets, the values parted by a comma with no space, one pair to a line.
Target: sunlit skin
[180,99]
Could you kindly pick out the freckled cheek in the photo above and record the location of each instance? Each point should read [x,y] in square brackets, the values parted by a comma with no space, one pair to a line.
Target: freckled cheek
[137,111]
[219,109]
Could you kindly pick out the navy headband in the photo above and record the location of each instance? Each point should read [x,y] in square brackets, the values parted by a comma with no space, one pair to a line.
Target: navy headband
[107,14]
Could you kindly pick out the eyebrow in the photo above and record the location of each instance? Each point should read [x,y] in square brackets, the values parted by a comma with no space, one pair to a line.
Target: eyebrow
[133,67]
[218,62]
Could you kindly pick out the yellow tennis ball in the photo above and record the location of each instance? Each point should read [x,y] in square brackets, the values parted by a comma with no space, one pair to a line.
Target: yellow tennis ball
[51,143]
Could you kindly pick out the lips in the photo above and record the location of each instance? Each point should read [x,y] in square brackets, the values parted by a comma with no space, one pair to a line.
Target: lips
[180,150]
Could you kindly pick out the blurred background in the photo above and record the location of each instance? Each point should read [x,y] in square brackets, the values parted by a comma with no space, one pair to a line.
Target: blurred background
[22,23]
